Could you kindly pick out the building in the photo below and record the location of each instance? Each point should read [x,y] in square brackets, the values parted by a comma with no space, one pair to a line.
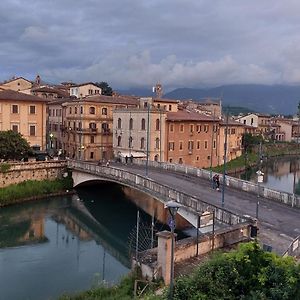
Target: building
[192,139]
[84,89]
[139,132]
[88,126]
[25,114]
[16,84]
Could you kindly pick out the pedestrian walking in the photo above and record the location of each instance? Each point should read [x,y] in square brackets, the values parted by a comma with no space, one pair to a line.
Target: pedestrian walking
[126,159]
[216,182]
[131,158]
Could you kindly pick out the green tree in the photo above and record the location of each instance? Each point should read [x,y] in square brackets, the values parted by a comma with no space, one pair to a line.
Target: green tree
[13,146]
[106,89]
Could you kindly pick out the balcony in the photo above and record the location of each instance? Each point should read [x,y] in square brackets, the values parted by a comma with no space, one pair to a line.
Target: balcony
[106,131]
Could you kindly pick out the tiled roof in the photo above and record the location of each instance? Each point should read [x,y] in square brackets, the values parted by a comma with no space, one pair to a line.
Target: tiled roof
[184,115]
[17,96]
[47,89]
[111,99]
[165,100]
[82,84]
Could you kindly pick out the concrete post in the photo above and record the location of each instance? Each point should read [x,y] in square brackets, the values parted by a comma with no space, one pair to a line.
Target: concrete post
[164,255]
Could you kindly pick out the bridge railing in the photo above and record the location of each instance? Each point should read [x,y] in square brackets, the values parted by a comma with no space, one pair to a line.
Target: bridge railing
[250,187]
[158,190]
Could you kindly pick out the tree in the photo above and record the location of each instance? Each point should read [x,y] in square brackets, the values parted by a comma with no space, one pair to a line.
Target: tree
[106,89]
[13,146]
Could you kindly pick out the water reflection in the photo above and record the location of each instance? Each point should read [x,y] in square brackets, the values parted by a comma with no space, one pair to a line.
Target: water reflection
[67,244]
[280,173]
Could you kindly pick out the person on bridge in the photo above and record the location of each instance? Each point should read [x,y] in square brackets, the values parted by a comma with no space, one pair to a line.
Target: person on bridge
[216,182]
[126,159]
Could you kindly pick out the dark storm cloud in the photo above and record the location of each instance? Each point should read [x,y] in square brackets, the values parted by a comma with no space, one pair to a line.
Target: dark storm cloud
[138,42]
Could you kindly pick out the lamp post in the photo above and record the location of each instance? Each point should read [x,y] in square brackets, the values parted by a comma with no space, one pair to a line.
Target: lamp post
[173,208]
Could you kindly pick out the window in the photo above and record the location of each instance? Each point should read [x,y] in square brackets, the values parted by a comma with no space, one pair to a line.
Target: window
[170,160]
[199,128]
[171,127]
[90,92]
[130,124]
[157,143]
[32,109]
[205,128]
[119,123]
[92,140]
[197,158]
[157,124]
[92,110]
[170,107]
[180,145]
[81,109]
[190,145]
[171,146]
[180,160]
[91,155]
[143,124]
[104,111]
[198,145]
[70,110]
[233,131]
[130,142]
[205,144]
[181,128]
[15,109]
[32,130]
[191,128]
[119,141]
[75,110]
[15,128]
[214,144]
[142,143]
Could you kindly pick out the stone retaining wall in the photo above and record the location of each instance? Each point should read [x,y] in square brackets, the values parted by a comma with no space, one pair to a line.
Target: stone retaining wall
[22,171]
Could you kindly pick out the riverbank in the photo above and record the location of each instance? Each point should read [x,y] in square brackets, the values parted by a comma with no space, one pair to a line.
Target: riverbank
[31,190]
[250,160]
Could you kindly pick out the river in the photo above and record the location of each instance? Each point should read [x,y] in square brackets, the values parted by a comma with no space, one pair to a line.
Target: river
[281,173]
[68,244]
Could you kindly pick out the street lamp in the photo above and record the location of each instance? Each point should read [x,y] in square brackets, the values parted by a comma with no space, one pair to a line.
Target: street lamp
[173,208]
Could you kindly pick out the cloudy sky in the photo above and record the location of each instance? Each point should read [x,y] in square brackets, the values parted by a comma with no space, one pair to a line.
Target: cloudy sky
[136,43]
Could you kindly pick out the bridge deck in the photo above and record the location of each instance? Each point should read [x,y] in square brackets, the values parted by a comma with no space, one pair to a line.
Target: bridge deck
[278,223]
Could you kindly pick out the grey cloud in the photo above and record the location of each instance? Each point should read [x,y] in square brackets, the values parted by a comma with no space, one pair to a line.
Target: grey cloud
[137,42]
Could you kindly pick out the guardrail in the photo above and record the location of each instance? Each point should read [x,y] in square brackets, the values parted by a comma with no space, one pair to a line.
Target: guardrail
[294,248]
[159,191]
[247,186]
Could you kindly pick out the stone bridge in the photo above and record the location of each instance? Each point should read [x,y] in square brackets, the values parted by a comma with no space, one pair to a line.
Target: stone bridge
[278,218]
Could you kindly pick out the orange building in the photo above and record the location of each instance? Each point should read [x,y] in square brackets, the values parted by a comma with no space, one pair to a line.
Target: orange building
[191,139]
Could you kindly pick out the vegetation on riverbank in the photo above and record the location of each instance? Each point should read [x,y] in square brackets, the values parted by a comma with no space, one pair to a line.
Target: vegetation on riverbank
[15,193]
[253,156]
[245,273]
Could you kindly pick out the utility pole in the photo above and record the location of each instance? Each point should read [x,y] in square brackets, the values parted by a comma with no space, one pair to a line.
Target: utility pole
[212,142]
[148,138]
[225,158]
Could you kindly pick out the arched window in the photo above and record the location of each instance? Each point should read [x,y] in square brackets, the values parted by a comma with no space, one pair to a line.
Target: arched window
[105,128]
[143,125]
[157,125]
[119,123]
[156,157]
[75,110]
[104,111]
[92,110]
[157,143]
[119,141]
[130,124]
[130,142]
[142,143]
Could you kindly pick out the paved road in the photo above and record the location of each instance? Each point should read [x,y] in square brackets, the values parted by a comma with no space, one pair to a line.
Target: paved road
[278,223]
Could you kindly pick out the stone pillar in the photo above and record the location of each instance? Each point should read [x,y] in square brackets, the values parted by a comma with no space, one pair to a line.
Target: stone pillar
[164,255]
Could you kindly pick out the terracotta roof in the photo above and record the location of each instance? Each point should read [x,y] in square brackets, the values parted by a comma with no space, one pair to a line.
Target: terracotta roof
[231,123]
[184,115]
[47,89]
[17,96]
[81,84]
[165,100]
[111,99]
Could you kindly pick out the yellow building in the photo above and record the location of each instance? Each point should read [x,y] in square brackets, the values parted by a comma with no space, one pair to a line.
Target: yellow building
[25,114]
[16,84]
